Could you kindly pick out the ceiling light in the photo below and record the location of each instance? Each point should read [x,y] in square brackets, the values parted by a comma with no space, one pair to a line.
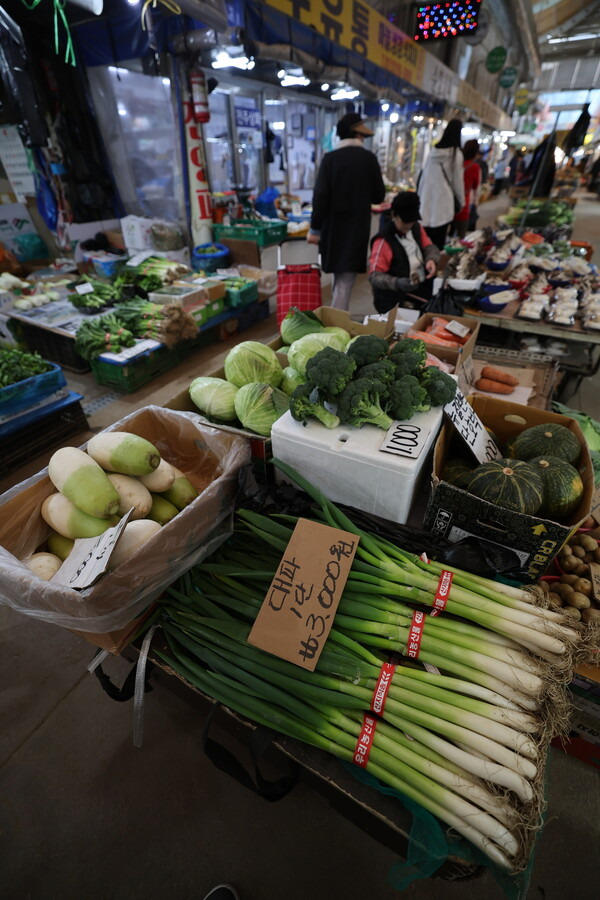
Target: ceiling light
[325,87]
[281,73]
[394,117]
[385,107]
[295,81]
[343,94]
[574,37]
[278,126]
[166,81]
[224,60]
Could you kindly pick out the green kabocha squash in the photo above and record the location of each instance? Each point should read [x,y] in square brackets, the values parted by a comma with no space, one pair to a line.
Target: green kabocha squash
[547,440]
[508,483]
[457,472]
[562,486]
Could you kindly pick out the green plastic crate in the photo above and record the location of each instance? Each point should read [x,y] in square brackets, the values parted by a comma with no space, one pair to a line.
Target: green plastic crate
[142,369]
[263,233]
[242,296]
[203,314]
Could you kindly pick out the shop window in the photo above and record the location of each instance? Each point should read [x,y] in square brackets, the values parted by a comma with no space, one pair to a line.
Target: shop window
[138,126]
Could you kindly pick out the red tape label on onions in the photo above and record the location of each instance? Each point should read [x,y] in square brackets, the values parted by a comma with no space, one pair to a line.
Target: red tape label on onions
[365,741]
[442,592]
[415,633]
[382,687]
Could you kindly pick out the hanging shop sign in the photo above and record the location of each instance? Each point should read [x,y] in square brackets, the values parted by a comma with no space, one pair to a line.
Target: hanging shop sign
[439,80]
[355,25]
[495,59]
[200,197]
[508,77]
[522,100]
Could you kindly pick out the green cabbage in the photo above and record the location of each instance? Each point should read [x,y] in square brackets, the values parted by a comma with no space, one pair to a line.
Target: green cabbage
[215,397]
[297,323]
[305,348]
[258,406]
[340,333]
[252,361]
[291,380]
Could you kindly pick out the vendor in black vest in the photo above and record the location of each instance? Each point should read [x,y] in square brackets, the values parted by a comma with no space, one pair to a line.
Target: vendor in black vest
[403,260]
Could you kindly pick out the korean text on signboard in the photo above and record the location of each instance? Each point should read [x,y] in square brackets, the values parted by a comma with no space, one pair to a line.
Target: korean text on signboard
[471,429]
[297,613]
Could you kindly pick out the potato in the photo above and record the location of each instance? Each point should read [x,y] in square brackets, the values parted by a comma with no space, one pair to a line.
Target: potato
[579,601]
[544,585]
[589,557]
[590,615]
[555,599]
[563,590]
[566,550]
[590,522]
[578,551]
[581,570]
[588,542]
[569,563]
[569,579]
[583,586]
[572,612]
[597,555]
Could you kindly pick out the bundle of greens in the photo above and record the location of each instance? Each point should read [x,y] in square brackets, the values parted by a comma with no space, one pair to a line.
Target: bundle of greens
[105,334]
[16,365]
[103,294]
[370,384]
[167,324]
[467,740]
[164,269]
[139,283]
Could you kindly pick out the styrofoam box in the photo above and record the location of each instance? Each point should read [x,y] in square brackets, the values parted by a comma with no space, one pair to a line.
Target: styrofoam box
[350,465]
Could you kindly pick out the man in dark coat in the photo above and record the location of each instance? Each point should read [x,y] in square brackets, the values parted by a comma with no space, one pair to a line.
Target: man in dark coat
[348,182]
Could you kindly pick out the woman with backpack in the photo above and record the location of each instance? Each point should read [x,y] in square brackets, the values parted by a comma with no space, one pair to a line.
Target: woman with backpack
[440,185]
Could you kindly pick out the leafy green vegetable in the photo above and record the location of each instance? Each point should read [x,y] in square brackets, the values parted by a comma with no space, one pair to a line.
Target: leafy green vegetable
[360,404]
[215,397]
[102,335]
[589,426]
[297,324]
[405,397]
[305,403]
[308,346]
[367,348]
[384,371]
[408,356]
[440,387]
[16,365]
[251,362]
[259,405]
[340,334]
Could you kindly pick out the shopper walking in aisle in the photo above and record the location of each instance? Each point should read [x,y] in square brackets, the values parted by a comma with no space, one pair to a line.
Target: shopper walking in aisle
[467,217]
[500,173]
[348,182]
[403,259]
[440,185]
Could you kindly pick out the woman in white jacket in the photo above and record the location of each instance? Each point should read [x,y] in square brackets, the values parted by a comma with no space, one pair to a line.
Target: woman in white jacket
[441,185]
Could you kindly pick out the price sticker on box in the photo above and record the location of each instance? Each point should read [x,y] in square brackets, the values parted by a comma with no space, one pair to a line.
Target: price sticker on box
[405,439]
[457,328]
[85,288]
[140,257]
[297,613]
[471,429]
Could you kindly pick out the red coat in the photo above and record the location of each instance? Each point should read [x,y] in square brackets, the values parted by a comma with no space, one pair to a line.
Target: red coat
[472,179]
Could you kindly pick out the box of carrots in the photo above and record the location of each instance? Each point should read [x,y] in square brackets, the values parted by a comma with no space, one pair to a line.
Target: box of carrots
[450,338]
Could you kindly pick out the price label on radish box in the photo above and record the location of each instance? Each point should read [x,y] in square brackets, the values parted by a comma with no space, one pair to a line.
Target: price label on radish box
[471,429]
[297,613]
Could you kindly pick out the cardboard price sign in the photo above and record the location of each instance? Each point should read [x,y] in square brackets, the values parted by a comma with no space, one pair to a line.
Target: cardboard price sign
[297,613]
[595,507]
[471,429]
[89,557]
[595,579]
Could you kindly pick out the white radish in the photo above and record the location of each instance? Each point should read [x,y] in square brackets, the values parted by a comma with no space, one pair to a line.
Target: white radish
[182,491]
[44,565]
[161,479]
[64,517]
[82,481]
[134,535]
[162,510]
[58,545]
[131,493]
[128,454]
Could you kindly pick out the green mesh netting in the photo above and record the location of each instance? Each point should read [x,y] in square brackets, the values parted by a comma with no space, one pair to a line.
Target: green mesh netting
[430,844]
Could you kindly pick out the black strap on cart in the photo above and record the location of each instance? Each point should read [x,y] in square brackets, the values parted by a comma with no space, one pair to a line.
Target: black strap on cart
[226,762]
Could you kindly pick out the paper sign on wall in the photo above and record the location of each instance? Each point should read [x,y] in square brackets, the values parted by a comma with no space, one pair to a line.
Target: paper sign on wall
[297,613]
[471,429]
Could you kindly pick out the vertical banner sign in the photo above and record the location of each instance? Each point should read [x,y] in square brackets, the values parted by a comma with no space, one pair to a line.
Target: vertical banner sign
[471,429]
[297,613]
[200,198]
[199,97]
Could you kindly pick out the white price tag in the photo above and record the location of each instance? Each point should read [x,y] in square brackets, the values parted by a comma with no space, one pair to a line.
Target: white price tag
[457,328]
[405,439]
[131,352]
[89,558]
[84,288]
[471,429]
[296,208]
[139,258]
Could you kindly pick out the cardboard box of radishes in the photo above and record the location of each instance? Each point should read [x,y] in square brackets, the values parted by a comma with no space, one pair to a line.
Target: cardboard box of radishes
[176,480]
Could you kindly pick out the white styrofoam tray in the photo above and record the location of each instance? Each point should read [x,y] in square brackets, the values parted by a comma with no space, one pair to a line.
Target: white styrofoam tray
[349,465]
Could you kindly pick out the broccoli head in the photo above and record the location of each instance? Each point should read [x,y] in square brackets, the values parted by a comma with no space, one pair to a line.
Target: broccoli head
[330,370]
[384,371]
[366,349]
[405,397]
[305,403]
[440,387]
[360,404]
[409,357]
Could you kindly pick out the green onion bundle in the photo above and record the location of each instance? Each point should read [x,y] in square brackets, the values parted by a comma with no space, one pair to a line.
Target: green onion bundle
[166,323]
[102,335]
[466,736]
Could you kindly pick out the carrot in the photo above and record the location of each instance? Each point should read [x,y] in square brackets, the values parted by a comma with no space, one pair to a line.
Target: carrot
[493,387]
[499,375]
[430,338]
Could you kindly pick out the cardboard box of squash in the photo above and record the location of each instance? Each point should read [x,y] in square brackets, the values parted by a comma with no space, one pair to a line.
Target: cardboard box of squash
[39,511]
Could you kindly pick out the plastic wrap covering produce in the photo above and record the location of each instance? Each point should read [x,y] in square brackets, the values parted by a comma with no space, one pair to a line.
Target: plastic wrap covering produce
[476,555]
[212,461]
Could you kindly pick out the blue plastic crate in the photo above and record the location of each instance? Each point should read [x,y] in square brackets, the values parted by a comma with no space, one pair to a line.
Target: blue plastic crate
[27,393]
[31,417]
